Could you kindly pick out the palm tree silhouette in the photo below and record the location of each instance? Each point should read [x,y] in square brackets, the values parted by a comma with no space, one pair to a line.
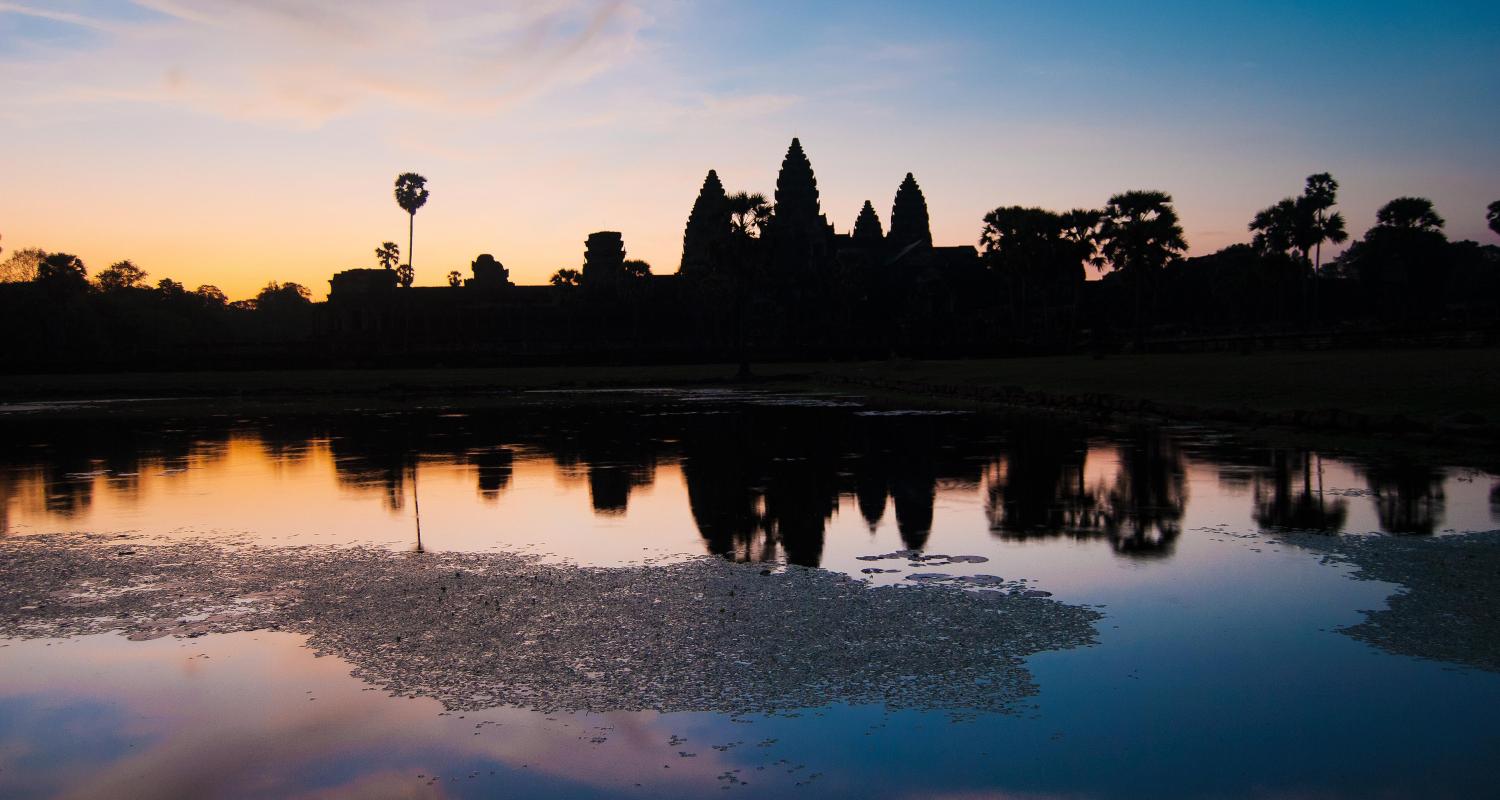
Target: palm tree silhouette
[1319,196]
[748,216]
[388,254]
[1139,235]
[748,213]
[1275,227]
[411,194]
[1409,212]
[1493,216]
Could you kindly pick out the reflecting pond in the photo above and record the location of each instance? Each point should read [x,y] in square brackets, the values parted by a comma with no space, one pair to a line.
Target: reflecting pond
[1224,664]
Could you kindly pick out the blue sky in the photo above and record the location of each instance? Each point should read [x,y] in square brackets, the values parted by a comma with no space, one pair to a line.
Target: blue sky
[235,141]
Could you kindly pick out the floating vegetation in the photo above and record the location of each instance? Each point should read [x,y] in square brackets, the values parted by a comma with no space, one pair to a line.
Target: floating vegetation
[1445,609]
[483,630]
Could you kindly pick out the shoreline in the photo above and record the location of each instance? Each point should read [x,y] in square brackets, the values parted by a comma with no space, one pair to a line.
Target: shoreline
[1446,401]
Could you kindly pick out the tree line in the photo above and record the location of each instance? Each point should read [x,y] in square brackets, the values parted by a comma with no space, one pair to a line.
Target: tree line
[1403,269]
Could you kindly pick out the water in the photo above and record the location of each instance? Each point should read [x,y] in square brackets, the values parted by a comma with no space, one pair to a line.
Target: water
[1220,668]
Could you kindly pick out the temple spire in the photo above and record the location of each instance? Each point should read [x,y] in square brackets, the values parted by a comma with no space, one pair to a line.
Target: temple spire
[797,193]
[706,224]
[909,223]
[867,228]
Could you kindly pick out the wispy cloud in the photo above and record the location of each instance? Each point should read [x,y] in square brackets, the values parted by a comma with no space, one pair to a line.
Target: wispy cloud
[308,63]
[53,15]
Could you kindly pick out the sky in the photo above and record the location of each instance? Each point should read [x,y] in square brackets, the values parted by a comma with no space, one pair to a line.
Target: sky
[234,142]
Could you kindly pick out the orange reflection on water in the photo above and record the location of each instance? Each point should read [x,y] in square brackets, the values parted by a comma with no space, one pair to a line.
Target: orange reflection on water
[816,487]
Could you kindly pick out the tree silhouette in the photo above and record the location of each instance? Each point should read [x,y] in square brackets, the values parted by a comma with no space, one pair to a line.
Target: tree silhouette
[1414,213]
[168,286]
[455,279]
[388,254]
[1492,215]
[749,216]
[1025,246]
[1318,197]
[63,273]
[636,268]
[566,277]
[120,275]
[1275,228]
[1139,235]
[411,194]
[281,296]
[1404,262]
[212,294]
[405,276]
[22,265]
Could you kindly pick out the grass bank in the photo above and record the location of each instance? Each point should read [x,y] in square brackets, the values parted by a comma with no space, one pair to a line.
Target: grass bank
[1434,389]
[1450,392]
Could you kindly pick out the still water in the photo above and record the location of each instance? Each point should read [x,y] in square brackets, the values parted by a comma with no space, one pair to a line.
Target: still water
[1220,668]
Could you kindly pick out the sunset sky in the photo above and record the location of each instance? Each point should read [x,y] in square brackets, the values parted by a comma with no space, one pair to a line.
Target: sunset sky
[237,141]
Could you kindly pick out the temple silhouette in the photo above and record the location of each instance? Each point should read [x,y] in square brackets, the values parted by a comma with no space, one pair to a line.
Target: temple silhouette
[798,286]
[766,279]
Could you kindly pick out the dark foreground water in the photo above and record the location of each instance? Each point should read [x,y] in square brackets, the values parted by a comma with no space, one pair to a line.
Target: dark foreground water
[1230,659]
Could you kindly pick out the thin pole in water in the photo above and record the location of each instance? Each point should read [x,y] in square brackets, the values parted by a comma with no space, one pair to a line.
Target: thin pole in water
[416,504]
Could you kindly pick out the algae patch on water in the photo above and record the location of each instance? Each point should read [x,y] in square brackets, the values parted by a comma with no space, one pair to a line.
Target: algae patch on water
[1445,608]
[481,630]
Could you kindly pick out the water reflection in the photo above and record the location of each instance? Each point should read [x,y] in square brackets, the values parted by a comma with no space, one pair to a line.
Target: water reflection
[1285,501]
[1408,496]
[759,482]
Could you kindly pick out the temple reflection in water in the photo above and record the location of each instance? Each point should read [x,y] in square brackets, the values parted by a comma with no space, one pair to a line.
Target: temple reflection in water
[761,482]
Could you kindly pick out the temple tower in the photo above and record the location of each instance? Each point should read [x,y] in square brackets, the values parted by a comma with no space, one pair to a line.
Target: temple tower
[488,273]
[707,224]
[603,260]
[867,230]
[797,210]
[909,223]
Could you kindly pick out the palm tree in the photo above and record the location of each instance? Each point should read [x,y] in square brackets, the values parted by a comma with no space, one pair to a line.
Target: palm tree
[1317,198]
[1493,216]
[1276,227]
[749,214]
[388,254]
[455,279]
[1320,226]
[411,194]
[1416,213]
[1023,246]
[1139,235]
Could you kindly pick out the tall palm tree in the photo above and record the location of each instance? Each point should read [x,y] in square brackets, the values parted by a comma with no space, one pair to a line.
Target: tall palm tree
[1316,200]
[411,194]
[1319,224]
